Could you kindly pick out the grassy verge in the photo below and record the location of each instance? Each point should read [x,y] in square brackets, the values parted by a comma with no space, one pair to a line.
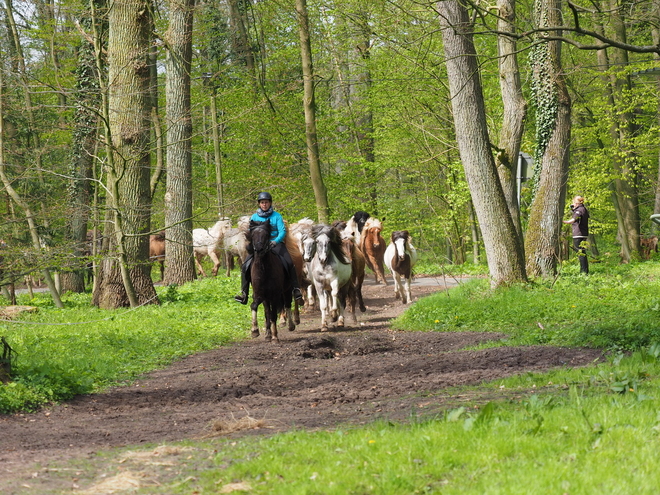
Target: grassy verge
[614,309]
[80,349]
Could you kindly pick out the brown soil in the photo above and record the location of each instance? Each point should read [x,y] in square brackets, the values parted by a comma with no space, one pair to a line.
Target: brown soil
[311,379]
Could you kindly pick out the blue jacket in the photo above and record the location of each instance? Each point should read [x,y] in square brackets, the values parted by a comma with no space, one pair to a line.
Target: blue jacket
[276,220]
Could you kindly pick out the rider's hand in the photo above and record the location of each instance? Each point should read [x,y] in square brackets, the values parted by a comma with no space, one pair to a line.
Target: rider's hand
[273,244]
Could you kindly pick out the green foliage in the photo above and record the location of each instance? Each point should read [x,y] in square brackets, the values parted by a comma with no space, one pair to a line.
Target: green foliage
[61,353]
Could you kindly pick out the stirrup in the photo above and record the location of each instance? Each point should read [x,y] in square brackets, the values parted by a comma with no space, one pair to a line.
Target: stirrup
[241,298]
[297,295]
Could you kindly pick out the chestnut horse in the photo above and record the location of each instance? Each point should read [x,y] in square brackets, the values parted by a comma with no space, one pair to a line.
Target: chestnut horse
[270,283]
[400,257]
[157,251]
[373,247]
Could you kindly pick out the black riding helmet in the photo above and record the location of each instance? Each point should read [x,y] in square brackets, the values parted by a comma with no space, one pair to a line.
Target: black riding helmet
[264,195]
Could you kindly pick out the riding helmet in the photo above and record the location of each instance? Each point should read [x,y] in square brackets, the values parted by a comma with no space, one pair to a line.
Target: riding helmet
[264,195]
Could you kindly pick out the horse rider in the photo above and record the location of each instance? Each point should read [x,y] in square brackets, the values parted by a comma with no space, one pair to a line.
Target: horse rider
[263,213]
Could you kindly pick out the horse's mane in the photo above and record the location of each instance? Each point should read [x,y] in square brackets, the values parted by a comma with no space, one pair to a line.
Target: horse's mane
[339,225]
[360,217]
[400,234]
[335,240]
[258,226]
[220,227]
[373,223]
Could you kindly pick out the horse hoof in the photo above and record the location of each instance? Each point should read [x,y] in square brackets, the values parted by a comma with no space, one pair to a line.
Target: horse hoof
[268,338]
[255,334]
[276,341]
[292,328]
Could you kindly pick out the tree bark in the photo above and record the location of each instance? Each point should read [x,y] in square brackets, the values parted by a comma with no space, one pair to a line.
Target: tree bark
[81,169]
[179,263]
[552,152]
[503,247]
[514,109]
[309,105]
[127,280]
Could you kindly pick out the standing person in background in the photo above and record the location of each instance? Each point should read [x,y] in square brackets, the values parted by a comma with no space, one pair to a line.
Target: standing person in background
[580,225]
[266,212]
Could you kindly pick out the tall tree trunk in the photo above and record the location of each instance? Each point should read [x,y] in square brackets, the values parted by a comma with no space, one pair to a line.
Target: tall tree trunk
[504,250]
[553,132]
[179,267]
[155,121]
[128,280]
[623,161]
[514,109]
[309,105]
[241,41]
[655,32]
[82,153]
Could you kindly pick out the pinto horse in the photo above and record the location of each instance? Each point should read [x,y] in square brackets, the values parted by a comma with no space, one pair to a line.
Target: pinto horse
[330,271]
[373,247]
[400,257]
[270,283]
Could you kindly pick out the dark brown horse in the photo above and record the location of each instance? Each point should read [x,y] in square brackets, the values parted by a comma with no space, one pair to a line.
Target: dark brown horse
[270,284]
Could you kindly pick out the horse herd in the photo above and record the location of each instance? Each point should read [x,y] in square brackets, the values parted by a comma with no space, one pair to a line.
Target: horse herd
[330,262]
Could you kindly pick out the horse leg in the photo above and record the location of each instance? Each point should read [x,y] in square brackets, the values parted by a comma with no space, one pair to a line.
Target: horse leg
[255,322]
[162,270]
[216,263]
[198,264]
[324,303]
[380,271]
[358,289]
[271,319]
[228,261]
[296,314]
[406,290]
[273,325]
[292,324]
[397,285]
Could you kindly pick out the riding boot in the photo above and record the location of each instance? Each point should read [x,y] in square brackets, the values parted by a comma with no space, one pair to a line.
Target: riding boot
[245,282]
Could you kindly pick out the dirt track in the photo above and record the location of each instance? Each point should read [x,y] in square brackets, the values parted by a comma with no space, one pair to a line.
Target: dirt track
[310,380]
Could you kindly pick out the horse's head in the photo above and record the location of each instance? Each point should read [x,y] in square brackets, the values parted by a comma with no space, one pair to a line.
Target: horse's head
[328,241]
[259,236]
[400,239]
[308,246]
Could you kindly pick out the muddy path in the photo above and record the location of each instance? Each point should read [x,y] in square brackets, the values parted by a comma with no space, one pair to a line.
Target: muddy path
[310,380]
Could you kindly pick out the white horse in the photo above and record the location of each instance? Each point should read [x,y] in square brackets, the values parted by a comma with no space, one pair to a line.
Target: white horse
[235,244]
[331,273]
[400,257]
[301,232]
[208,242]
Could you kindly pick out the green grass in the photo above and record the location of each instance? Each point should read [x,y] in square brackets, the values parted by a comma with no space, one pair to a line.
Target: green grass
[615,309]
[80,349]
